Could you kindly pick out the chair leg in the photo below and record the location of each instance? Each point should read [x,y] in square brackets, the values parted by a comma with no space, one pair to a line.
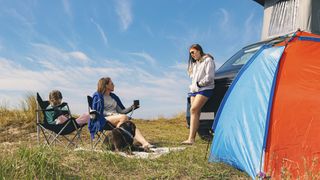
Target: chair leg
[95,143]
[91,143]
[79,131]
[79,135]
[55,138]
[70,141]
[44,134]
[100,136]
[57,135]
[52,138]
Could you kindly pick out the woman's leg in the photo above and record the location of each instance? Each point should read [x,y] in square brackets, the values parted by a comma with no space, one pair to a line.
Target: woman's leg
[141,139]
[197,103]
[118,119]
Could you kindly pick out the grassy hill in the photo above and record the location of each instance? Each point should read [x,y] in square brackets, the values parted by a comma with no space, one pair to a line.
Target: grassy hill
[22,158]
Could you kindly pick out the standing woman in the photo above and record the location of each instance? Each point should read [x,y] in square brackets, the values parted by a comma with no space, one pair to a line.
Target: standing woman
[201,69]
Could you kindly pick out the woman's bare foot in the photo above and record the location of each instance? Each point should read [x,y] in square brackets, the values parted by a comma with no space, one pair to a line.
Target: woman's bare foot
[187,142]
[148,146]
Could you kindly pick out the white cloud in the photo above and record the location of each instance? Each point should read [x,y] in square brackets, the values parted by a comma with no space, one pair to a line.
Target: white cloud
[51,57]
[102,33]
[225,17]
[180,66]
[162,93]
[148,30]
[15,77]
[5,63]
[1,46]
[248,22]
[228,28]
[70,43]
[146,57]
[252,29]
[79,55]
[25,19]
[24,28]
[66,7]
[123,9]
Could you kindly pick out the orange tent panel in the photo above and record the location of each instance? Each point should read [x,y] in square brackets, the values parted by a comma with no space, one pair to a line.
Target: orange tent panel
[293,144]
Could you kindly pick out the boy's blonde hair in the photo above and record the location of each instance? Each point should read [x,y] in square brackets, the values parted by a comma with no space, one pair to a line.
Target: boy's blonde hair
[54,97]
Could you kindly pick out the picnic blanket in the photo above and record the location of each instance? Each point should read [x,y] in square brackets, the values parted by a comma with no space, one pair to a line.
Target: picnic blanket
[153,154]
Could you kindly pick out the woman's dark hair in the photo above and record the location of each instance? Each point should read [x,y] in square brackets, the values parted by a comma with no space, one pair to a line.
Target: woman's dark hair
[191,60]
[102,83]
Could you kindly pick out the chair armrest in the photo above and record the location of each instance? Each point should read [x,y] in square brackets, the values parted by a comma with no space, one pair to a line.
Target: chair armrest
[62,105]
[93,114]
[53,108]
[39,110]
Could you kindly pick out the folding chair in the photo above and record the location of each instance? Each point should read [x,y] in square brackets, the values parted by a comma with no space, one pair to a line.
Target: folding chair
[100,134]
[52,132]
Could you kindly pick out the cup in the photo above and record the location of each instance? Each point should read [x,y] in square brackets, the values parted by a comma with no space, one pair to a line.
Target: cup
[136,102]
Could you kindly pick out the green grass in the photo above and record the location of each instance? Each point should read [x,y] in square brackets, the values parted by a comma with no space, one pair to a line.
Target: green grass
[22,158]
[58,163]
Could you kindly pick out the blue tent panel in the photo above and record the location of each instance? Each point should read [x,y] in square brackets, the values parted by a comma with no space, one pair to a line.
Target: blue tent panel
[242,116]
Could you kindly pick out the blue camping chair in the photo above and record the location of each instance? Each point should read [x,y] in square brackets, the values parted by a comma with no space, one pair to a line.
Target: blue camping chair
[102,133]
[53,132]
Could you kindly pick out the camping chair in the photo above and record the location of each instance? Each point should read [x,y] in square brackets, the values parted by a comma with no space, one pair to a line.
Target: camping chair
[52,132]
[100,134]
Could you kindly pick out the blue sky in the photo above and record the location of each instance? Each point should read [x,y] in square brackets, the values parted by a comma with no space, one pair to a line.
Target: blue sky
[141,44]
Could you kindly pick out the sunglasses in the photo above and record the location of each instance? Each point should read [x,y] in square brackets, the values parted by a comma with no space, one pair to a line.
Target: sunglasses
[192,52]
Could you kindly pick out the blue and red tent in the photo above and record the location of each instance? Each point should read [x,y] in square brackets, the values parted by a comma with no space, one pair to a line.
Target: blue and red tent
[269,120]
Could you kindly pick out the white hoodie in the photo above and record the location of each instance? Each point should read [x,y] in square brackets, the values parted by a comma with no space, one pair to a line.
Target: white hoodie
[203,72]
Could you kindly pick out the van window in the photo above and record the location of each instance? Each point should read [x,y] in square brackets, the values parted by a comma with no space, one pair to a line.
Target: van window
[239,59]
[243,59]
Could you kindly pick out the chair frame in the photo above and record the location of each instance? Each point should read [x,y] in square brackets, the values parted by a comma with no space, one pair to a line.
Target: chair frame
[51,136]
[100,134]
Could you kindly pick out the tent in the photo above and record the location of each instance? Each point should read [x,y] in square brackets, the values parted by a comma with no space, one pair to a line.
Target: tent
[269,120]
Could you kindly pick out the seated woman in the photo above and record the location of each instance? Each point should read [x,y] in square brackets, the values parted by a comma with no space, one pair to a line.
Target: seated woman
[60,114]
[109,105]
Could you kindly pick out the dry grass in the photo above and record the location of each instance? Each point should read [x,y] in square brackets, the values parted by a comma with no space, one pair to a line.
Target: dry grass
[16,123]
[22,158]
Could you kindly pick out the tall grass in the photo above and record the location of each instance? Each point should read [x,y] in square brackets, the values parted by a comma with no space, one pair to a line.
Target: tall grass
[31,163]
[22,158]
[23,115]
[36,162]
[18,122]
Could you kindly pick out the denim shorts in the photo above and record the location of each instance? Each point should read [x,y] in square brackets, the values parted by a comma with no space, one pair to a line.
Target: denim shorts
[207,93]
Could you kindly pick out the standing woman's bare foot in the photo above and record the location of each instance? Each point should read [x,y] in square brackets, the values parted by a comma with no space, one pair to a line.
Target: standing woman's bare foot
[188,142]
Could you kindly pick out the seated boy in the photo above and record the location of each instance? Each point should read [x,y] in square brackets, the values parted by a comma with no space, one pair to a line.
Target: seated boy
[60,113]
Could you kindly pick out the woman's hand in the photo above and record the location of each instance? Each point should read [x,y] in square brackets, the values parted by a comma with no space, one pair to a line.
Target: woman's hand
[193,88]
[135,106]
